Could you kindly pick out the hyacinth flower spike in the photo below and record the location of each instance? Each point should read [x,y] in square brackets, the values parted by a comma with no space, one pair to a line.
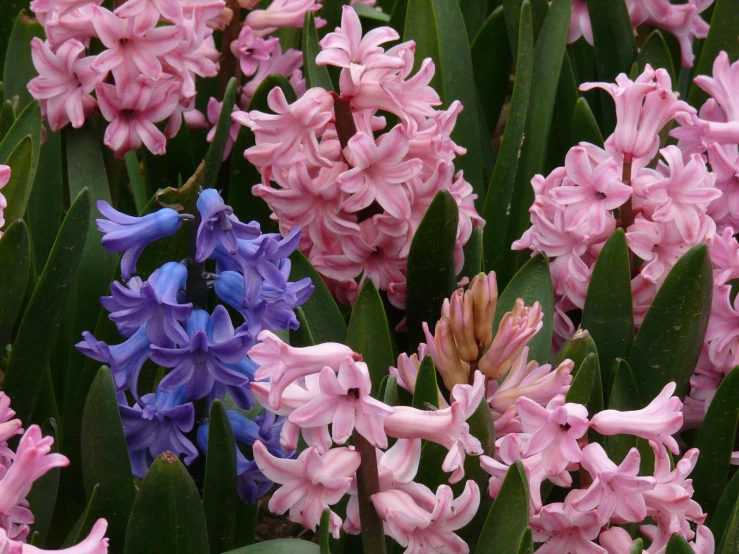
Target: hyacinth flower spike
[219,224]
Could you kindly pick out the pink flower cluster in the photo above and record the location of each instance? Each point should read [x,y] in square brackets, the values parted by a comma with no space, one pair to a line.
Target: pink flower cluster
[681,19]
[359,198]
[18,471]
[153,52]
[324,391]
[4,179]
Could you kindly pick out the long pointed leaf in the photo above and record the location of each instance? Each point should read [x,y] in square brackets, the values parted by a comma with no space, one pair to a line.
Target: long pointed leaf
[18,190]
[509,515]
[15,259]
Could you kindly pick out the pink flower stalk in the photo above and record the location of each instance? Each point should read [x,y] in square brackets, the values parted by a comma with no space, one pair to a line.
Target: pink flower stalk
[345,402]
[657,422]
[64,84]
[133,113]
[643,108]
[616,491]
[310,484]
[563,529]
[515,331]
[280,14]
[4,179]
[251,50]
[283,364]
[424,529]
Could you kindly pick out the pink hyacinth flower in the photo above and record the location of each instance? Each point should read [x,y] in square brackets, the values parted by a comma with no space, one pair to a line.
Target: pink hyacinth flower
[214,113]
[657,422]
[379,171]
[4,179]
[64,84]
[643,108]
[49,12]
[554,430]
[251,50]
[580,23]
[170,10]
[563,529]
[447,427]
[282,364]
[133,114]
[133,45]
[422,531]
[94,543]
[280,14]
[310,484]
[616,490]
[345,402]
[722,86]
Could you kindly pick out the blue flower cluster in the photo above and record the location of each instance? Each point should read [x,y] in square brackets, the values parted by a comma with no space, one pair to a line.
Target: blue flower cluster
[204,354]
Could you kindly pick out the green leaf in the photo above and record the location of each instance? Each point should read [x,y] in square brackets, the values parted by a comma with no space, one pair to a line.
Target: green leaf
[615,47]
[38,329]
[42,497]
[722,515]
[426,393]
[369,335]
[390,392]
[637,547]
[322,315]
[472,255]
[624,396]
[526,545]
[581,389]
[496,209]
[86,520]
[214,156]
[678,545]
[315,75]
[371,18]
[18,190]
[560,140]
[167,515]
[220,500]
[532,283]
[86,169]
[721,36]
[656,53]
[15,260]
[19,68]
[283,546]
[246,524]
[474,13]
[730,538]
[716,443]
[27,123]
[608,314]
[436,27]
[323,532]
[246,206]
[671,336]
[301,336]
[512,13]
[431,276]
[136,179]
[105,455]
[577,348]
[509,515]
[7,117]
[549,54]
[584,126]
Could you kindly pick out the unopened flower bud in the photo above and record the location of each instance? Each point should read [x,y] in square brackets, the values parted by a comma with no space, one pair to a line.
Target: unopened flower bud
[484,292]
[461,317]
[443,351]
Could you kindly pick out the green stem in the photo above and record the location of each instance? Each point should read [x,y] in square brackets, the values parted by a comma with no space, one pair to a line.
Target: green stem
[137,181]
[368,483]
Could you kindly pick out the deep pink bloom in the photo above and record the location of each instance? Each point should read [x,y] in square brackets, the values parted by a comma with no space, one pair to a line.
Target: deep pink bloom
[282,364]
[722,86]
[64,84]
[251,50]
[133,113]
[580,23]
[425,529]
[280,14]
[345,402]
[643,108]
[310,484]
[563,529]
[658,421]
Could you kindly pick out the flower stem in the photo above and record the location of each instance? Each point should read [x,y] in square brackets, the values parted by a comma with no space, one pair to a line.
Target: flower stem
[368,483]
[626,212]
[196,288]
[345,126]
[229,64]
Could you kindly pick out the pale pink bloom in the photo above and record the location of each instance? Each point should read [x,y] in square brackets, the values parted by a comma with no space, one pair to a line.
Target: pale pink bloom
[723,88]
[421,530]
[310,484]
[680,192]
[724,161]
[4,179]
[722,335]
[49,12]
[286,64]
[280,14]
[378,172]
[345,402]
[282,364]
[658,421]
[616,490]
[214,113]
[515,331]
[563,529]
[589,191]
[616,540]
[170,10]
[133,45]
[348,49]
[94,543]
[210,10]
[724,251]
[295,395]
[643,108]
[76,24]
[580,23]
[554,431]
[291,126]
[64,84]
[9,426]
[133,114]
[251,50]
[447,427]
[445,354]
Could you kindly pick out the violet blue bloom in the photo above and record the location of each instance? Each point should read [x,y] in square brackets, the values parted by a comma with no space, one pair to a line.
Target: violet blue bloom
[241,394]
[130,235]
[200,364]
[125,359]
[219,224]
[153,303]
[155,424]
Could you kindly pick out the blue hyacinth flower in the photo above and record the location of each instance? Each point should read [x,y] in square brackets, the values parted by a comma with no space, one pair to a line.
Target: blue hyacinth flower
[130,235]
[125,359]
[219,225]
